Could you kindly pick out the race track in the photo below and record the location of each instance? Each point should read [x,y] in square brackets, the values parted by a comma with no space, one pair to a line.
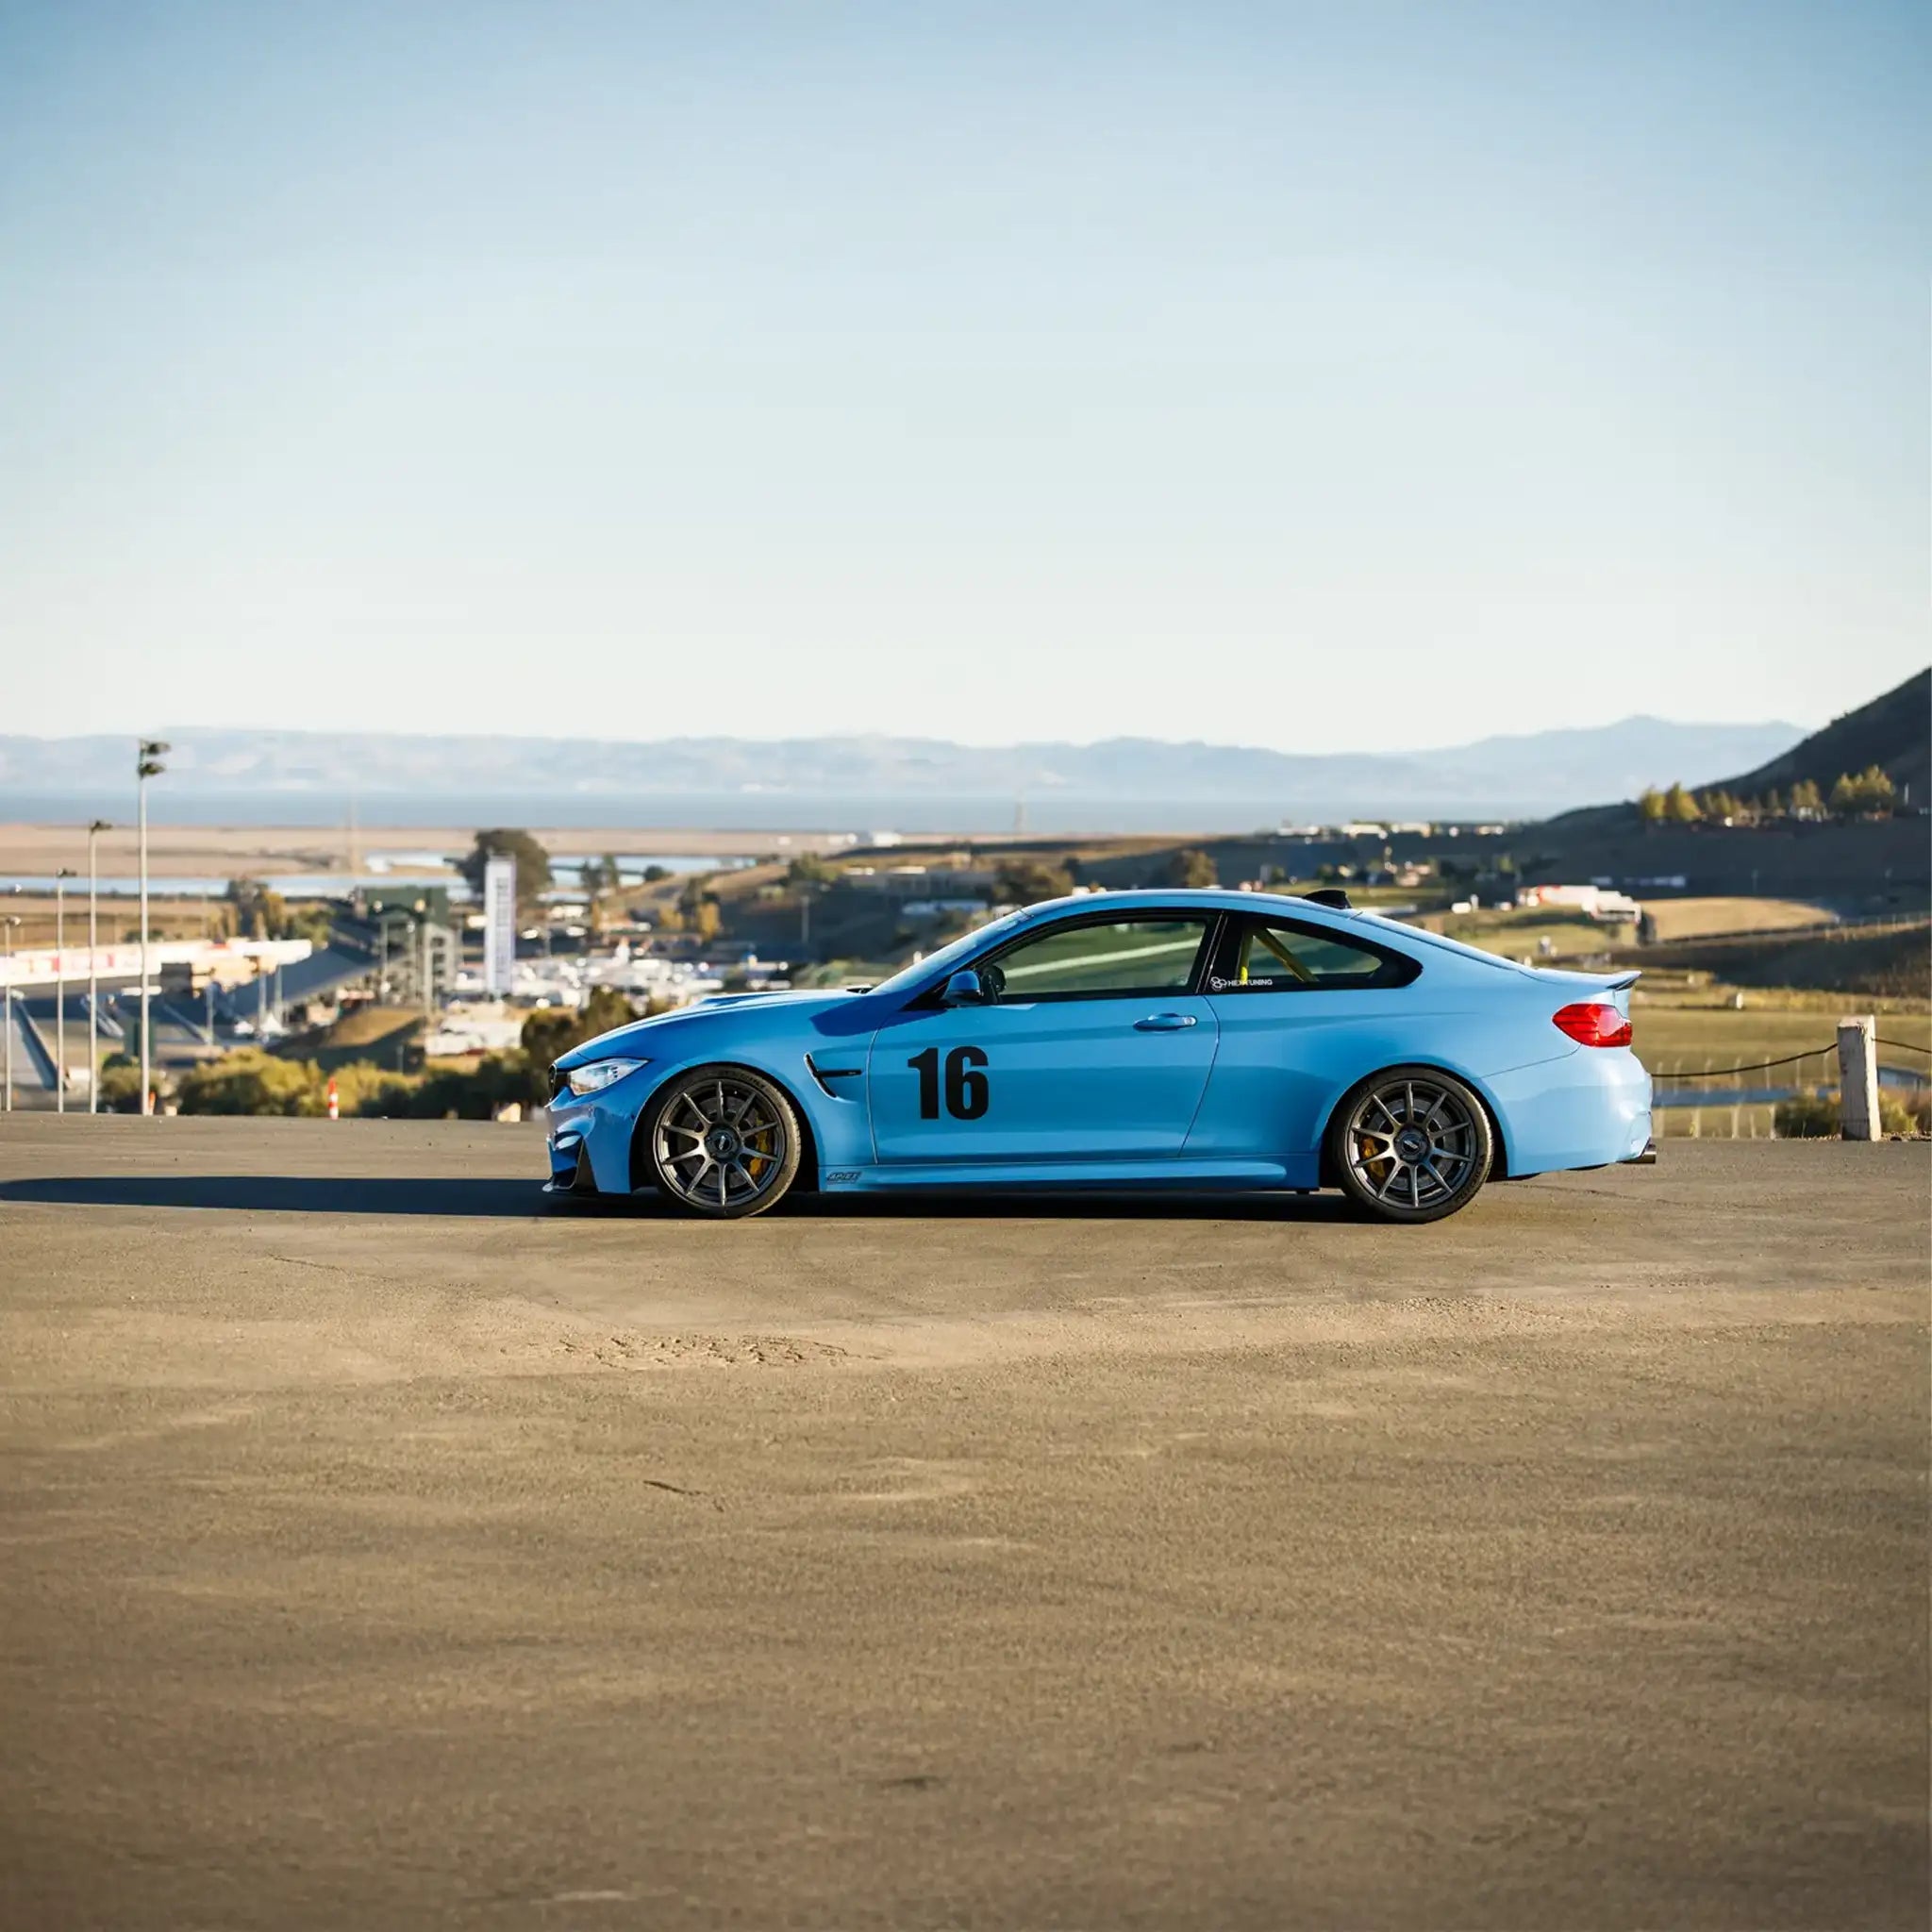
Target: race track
[388,1547]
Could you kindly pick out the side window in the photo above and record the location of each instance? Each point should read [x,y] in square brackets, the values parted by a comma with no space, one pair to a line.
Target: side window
[1263,956]
[1098,958]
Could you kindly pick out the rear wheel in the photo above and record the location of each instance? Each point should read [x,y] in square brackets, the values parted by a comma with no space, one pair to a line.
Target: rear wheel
[724,1143]
[1412,1144]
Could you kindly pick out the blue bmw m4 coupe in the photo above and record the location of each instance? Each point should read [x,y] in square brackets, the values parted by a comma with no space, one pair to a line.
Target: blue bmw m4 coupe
[1144,1040]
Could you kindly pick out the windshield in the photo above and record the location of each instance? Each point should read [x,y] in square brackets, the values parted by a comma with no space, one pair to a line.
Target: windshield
[948,957]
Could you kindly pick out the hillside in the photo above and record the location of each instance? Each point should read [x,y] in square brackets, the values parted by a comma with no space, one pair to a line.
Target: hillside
[1893,731]
[1861,866]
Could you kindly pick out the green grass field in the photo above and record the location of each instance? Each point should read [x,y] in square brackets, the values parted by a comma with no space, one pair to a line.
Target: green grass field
[1520,935]
[1673,1035]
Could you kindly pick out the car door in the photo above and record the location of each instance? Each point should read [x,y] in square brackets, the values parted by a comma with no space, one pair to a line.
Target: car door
[1302,1009]
[1096,1045]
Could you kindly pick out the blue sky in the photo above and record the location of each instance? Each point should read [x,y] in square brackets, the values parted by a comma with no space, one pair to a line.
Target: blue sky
[1319,378]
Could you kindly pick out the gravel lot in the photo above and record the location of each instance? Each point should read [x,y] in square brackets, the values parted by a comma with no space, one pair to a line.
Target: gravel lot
[387,1547]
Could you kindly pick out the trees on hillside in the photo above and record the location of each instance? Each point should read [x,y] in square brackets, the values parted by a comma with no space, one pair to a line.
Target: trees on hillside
[250,1081]
[1192,870]
[602,879]
[259,913]
[1869,793]
[695,911]
[552,1031]
[1026,881]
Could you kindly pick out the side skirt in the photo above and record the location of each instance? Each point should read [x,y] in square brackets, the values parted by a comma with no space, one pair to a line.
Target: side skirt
[1053,1174]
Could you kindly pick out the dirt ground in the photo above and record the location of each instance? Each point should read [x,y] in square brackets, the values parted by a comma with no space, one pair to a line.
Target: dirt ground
[384,1547]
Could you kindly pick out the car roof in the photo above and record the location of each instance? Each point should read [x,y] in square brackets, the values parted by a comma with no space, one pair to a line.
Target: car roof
[1204,899]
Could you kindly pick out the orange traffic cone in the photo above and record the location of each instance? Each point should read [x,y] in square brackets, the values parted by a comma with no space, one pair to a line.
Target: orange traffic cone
[335,1105]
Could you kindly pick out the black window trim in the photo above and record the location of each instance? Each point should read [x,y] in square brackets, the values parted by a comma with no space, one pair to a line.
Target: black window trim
[1215,920]
[1406,966]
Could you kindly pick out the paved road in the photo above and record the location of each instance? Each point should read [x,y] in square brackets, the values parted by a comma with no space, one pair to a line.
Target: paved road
[383,1549]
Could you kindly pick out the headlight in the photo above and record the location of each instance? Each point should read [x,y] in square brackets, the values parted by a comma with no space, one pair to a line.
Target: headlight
[599,1075]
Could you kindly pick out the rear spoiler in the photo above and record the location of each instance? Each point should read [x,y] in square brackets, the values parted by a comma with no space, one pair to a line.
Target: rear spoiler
[1585,983]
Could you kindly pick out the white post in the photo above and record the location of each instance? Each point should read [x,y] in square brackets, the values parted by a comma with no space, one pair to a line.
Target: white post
[1857,1078]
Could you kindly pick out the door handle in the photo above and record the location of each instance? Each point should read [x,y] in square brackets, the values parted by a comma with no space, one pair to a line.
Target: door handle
[1163,1023]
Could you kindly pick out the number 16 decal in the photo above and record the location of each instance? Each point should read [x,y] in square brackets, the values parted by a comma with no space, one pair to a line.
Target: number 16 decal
[967,1092]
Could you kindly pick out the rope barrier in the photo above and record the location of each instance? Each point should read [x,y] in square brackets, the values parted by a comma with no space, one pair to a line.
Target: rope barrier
[1789,1060]
[1755,1066]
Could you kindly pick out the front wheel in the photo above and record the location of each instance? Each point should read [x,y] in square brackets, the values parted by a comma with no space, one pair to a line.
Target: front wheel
[1410,1144]
[722,1142]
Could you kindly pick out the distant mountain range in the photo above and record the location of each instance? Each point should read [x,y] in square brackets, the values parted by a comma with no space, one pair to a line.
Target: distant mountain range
[1539,773]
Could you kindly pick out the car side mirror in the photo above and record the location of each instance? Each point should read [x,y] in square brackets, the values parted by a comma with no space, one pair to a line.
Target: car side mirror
[964,989]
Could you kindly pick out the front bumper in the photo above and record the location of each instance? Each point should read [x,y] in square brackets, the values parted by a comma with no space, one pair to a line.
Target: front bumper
[571,1171]
[591,1135]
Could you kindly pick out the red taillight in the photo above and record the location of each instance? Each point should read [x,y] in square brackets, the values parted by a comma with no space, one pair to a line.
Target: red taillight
[1594,1023]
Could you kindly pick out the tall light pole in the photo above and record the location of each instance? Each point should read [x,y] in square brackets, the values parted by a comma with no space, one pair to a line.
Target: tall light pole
[93,983]
[61,878]
[147,764]
[12,920]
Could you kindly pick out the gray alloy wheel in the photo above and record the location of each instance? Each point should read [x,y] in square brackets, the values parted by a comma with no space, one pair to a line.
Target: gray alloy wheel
[1412,1144]
[723,1142]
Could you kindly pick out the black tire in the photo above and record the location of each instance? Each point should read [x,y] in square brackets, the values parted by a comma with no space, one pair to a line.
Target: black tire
[723,1127]
[1410,1144]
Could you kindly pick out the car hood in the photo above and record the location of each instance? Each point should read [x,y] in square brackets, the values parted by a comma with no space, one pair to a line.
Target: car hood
[645,1037]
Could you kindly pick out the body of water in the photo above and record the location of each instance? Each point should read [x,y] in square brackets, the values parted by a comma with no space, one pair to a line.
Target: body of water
[737,811]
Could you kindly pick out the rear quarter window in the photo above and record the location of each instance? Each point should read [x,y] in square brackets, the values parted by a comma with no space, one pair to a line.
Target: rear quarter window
[1260,955]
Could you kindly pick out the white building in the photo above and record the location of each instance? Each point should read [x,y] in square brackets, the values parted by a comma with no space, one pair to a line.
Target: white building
[1593,902]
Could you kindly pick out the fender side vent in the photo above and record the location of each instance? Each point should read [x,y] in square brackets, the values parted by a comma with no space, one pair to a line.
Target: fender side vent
[828,1077]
